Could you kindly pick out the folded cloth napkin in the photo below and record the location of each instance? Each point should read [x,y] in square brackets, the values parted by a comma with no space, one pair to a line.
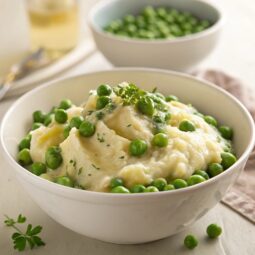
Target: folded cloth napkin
[241,197]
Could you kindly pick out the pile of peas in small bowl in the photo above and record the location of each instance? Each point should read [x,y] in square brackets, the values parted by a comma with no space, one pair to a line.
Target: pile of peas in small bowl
[157,23]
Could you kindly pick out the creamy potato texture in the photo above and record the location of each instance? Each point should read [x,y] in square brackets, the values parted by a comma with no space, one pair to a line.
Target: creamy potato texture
[91,162]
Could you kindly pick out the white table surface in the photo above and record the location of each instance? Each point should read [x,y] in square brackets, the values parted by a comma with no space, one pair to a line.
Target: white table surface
[235,54]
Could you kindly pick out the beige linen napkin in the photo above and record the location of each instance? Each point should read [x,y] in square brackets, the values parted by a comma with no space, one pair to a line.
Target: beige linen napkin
[241,197]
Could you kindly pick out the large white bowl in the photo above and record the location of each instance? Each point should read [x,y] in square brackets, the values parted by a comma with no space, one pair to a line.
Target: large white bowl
[124,218]
[179,54]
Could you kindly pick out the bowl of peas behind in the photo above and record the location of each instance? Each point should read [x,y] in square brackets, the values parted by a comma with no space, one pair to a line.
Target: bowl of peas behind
[168,34]
[132,217]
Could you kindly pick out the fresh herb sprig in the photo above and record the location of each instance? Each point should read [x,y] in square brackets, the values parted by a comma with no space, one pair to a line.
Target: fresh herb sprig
[22,239]
[129,93]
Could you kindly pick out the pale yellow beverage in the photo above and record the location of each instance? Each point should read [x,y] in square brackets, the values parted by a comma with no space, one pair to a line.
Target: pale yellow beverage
[54,25]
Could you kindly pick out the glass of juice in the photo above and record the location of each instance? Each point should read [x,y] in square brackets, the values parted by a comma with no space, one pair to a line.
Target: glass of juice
[54,25]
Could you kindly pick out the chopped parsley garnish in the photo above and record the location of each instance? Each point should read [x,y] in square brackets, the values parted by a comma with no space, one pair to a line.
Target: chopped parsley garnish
[100,115]
[100,138]
[90,112]
[73,162]
[80,171]
[130,93]
[97,168]
[110,107]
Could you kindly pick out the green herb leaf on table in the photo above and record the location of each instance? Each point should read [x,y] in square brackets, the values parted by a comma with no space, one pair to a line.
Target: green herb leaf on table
[23,239]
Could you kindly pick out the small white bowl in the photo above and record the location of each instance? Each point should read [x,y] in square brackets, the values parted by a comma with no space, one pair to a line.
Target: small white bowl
[128,218]
[181,54]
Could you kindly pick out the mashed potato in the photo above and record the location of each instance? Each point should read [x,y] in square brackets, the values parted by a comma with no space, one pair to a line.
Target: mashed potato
[91,162]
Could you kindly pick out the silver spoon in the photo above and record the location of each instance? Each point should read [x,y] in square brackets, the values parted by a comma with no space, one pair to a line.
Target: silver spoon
[29,64]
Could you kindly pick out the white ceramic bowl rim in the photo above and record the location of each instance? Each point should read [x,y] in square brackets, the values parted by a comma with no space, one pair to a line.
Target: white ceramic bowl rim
[186,38]
[79,194]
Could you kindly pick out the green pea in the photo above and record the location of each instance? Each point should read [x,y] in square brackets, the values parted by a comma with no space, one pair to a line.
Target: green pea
[161,12]
[190,242]
[159,183]
[140,21]
[213,231]
[87,129]
[129,19]
[149,11]
[211,120]
[198,29]
[67,130]
[146,106]
[202,173]
[193,21]
[180,18]
[138,188]
[114,26]
[169,187]
[138,147]
[65,181]
[151,189]
[176,31]
[215,169]
[160,140]
[180,183]
[24,157]
[204,23]
[25,143]
[169,19]
[120,189]
[65,104]
[38,168]
[48,119]
[36,125]
[104,90]
[76,121]
[146,34]
[171,98]
[131,29]
[187,126]
[226,132]
[115,182]
[187,26]
[53,157]
[38,116]
[195,179]
[61,116]
[227,159]
[102,101]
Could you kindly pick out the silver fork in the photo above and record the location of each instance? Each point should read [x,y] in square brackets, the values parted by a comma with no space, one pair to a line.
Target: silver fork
[36,60]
